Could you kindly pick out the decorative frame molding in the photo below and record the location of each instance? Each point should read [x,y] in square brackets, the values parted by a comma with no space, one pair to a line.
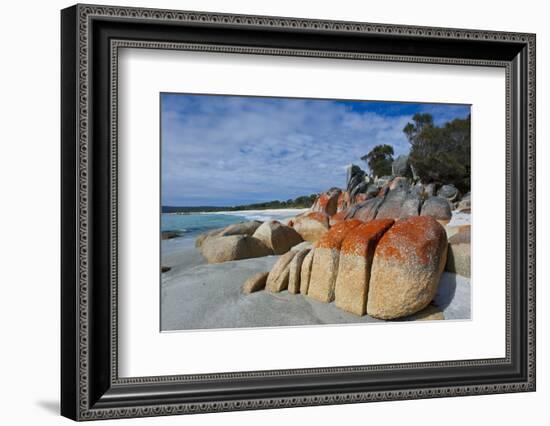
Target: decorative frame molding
[91,388]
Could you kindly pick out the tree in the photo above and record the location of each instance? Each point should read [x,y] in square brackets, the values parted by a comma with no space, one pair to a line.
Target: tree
[379,160]
[440,154]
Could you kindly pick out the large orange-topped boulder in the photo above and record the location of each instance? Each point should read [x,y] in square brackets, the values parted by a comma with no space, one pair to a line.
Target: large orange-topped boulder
[276,236]
[324,268]
[311,226]
[356,254]
[406,269]
[327,202]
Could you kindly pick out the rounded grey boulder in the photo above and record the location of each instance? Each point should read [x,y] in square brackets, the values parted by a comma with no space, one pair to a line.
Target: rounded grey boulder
[233,247]
[437,207]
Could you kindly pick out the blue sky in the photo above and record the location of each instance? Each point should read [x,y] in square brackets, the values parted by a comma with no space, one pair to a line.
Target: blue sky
[229,150]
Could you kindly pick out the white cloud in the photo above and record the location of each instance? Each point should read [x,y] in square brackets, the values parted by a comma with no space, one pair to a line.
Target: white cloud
[231,150]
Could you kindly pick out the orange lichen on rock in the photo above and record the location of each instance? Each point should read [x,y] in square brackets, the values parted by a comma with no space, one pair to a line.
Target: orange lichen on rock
[343,201]
[335,236]
[325,261]
[311,226]
[417,233]
[327,202]
[338,217]
[318,216]
[357,252]
[365,235]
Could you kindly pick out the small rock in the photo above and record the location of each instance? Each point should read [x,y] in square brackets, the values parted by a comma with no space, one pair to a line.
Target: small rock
[277,280]
[458,257]
[437,207]
[164,269]
[429,313]
[465,203]
[295,271]
[448,191]
[410,206]
[168,235]
[305,274]
[255,283]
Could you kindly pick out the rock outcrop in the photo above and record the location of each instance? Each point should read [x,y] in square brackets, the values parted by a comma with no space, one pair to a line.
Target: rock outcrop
[356,254]
[406,268]
[325,261]
[276,236]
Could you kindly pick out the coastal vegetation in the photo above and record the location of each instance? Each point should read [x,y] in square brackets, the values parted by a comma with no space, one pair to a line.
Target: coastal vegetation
[438,154]
[302,202]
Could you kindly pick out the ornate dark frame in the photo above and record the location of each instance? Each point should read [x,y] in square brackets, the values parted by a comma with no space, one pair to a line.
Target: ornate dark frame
[91,37]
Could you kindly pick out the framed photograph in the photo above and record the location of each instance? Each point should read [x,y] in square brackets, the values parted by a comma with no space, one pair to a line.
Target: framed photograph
[263,212]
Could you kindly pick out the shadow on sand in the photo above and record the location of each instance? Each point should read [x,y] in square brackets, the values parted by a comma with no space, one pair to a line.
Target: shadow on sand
[446,291]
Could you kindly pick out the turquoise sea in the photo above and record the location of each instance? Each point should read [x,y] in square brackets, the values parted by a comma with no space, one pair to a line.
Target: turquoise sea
[194,224]
[191,225]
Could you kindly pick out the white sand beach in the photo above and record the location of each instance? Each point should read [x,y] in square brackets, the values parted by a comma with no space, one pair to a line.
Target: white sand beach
[281,215]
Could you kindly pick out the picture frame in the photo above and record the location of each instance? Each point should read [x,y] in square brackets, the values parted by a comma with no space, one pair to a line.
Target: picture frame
[90,385]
